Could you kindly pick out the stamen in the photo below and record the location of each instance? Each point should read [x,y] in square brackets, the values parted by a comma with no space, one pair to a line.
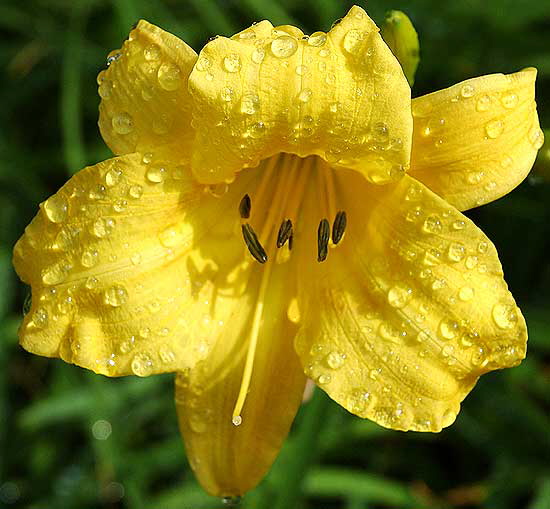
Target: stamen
[236,418]
[285,232]
[290,242]
[245,206]
[253,244]
[323,236]
[339,227]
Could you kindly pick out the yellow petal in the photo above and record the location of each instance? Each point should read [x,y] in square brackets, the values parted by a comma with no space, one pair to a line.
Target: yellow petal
[229,460]
[145,101]
[477,140]
[408,311]
[133,268]
[340,95]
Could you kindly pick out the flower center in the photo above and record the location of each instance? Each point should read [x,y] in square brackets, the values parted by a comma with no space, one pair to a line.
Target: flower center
[273,221]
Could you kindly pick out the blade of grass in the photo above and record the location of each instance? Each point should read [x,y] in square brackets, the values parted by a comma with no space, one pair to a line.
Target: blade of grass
[71,113]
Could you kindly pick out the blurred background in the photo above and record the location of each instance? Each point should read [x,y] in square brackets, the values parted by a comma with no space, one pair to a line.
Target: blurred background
[71,439]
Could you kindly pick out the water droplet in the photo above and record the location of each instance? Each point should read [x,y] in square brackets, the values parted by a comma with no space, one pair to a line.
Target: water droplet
[40,318]
[353,40]
[135,191]
[335,360]
[471,262]
[494,128]
[171,236]
[466,293]
[301,70]
[89,258]
[257,130]
[250,103]
[284,46]
[169,76]
[467,91]
[231,501]
[123,123]
[103,227]
[478,357]
[475,177]
[55,274]
[166,355]
[399,296]
[482,247]
[113,57]
[510,101]
[305,95]
[334,107]
[91,282]
[324,379]
[115,296]
[483,103]
[156,174]
[227,94]
[56,209]
[448,329]
[232,63]
[147,158]
[203,64]
[258,56]
[504,315]
[536,137]
[456,252]
[317,39]
[142,364]
[152,52]
[432,224]
[459,224]
[120,205]
[217,190]
[380,132]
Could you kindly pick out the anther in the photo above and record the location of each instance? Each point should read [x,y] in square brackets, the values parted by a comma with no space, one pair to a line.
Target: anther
[339,227]
[245,206]
[253,244]
[285,232]
[323,236]
[290,241]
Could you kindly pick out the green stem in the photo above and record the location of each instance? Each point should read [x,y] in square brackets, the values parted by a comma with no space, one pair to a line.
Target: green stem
[303,453]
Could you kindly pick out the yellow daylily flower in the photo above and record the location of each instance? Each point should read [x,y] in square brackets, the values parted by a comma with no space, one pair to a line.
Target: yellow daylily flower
[279,209]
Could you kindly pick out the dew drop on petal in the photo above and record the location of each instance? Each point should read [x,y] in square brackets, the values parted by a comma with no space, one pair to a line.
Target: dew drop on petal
[284,46]
[115,296]
[123,123]
[250,103]
[135,191]
[399,296]
[258,56]
[466,293]
[169,76]
[40,318]
[448,329]
[156,174]
[232,63]
[317,39]
[353,40]
[335,360]
[510,101]
[494,128]
[483,103]
[89,258]
[142,364]
[56,209]
[152,52]
[467,91]
[504,315]
[305,95]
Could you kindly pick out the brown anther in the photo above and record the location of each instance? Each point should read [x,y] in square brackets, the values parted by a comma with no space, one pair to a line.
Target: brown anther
[323,236]
[285,232]
[253,244]
[339,227]
[245,206]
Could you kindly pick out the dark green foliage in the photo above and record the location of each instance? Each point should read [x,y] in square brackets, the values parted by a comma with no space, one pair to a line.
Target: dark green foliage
[71,439]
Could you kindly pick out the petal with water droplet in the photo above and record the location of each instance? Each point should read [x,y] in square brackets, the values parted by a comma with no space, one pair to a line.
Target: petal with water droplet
[485,145]
[416,322]
[147,104]
[346,84]
[131,292]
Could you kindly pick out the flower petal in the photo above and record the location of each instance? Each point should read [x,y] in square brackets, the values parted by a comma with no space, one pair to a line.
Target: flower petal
[133,268]
[477,140]
[229,460]
[408,311]
[145,101]
[341,95]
